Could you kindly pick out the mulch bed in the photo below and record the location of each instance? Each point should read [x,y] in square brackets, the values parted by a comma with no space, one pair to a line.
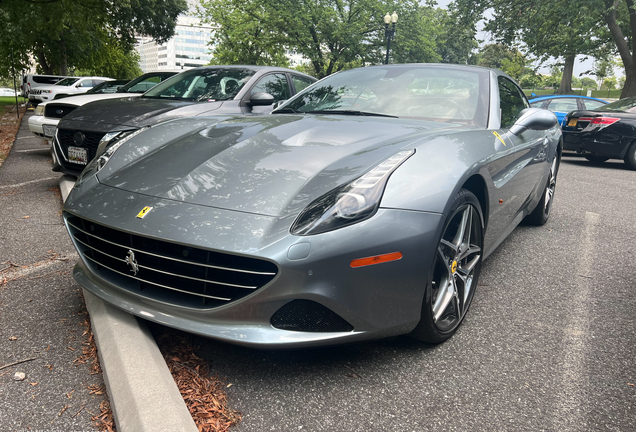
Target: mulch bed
[9,126]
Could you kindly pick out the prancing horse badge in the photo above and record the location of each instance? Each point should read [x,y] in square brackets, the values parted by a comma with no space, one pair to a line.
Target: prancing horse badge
[142,214]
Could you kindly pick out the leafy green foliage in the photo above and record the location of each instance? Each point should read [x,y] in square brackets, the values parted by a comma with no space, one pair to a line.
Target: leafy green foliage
[87,34]
[333,34]
[499,56]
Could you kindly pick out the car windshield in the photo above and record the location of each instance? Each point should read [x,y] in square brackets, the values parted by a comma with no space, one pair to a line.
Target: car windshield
[106,87]
[410,91]
[67,82]
[143,83]
[627,104]
[210,84]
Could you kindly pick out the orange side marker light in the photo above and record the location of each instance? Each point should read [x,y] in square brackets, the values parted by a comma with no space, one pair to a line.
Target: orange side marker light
[378,259]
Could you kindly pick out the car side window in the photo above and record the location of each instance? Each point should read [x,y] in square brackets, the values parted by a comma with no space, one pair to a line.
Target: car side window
[511,101]
[301,83]
[563,105]
[86,83]
[274,84]
[592,104]
[538,104]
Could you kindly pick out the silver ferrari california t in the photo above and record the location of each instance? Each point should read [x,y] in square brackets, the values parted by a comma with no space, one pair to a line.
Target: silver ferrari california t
[362,208]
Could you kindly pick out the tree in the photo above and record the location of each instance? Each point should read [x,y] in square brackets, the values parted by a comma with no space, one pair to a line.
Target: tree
[587,82]
[499,56]
[602,68]
[333,34]
[244,34]
[61,34]
[548,28]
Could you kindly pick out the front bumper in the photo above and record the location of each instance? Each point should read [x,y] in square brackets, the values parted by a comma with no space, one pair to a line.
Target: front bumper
[378,301]
[37,123]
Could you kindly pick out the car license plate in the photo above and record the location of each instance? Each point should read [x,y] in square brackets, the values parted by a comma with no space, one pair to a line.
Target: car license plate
[49,131]
[573,121]
[77,155]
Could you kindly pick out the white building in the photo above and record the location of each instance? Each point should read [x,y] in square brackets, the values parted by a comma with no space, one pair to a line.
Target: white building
[187,49]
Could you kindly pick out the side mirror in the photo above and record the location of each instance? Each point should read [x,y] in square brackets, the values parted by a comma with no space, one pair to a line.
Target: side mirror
[533,94]
[534,119]
[261,99]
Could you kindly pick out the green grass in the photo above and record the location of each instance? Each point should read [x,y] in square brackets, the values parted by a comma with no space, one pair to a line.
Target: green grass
[599,94]
[10,100]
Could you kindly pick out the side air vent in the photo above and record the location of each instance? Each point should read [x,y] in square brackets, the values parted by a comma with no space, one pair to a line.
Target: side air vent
[309,316]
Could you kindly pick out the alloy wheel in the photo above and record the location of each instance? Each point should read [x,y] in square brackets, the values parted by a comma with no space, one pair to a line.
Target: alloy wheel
[458,259]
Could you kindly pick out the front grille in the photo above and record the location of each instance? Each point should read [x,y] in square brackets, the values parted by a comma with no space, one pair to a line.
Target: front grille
[309,316]
[91,142]
[58,111]
[35,91]
[168,272]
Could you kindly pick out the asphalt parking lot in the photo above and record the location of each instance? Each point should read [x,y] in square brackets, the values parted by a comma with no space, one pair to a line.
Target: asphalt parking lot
[549,343]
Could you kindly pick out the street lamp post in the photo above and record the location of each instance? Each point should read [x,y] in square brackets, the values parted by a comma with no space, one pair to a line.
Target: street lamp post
[389,33]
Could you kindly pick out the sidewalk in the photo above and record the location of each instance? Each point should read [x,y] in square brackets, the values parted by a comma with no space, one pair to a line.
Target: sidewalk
[41,310]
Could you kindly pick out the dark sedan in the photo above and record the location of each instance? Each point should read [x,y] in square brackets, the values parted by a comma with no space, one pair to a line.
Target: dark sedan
[202,91]
[608,132]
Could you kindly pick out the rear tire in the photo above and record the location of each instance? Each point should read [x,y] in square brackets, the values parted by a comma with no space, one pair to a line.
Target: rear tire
[630,156]
[594,158]
[452,280]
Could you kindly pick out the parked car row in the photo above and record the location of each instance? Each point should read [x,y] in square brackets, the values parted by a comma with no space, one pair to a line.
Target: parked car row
[257,206]
[593,128]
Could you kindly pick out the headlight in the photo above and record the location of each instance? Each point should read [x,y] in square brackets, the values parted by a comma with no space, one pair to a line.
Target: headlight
[108,145]
[107,139]
[351,203]
[39,110]
[47,91]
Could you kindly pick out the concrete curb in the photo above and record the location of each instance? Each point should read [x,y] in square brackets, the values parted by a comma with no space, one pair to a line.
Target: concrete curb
[143,394]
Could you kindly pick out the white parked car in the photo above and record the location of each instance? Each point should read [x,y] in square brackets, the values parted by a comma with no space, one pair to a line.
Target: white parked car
[65,87]
[47,115]
[32,81]
[4,91]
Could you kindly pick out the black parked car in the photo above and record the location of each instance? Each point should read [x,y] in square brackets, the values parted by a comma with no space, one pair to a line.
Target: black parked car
[608,132]
[209,90]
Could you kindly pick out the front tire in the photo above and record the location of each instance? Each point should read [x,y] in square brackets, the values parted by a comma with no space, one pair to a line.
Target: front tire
[541,212]
[453,278]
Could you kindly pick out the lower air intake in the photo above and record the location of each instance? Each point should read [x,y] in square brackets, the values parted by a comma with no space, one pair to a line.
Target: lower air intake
[309,316]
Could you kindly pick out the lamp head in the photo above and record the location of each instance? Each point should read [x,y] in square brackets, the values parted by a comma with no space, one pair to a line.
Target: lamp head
[394,17]
[387,18]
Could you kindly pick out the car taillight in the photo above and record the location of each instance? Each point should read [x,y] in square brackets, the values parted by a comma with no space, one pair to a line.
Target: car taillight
[606,121]
[600,121]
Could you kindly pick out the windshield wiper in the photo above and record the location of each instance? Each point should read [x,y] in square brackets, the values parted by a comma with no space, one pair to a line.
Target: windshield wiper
[350,112]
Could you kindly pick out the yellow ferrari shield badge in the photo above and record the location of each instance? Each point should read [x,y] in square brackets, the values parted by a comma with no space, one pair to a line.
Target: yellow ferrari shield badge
[499,137]
[454,267]
[143,212]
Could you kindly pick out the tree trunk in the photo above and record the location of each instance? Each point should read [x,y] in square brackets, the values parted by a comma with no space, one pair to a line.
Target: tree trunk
[46,68]
[629,89]
[64,62]
[566,79]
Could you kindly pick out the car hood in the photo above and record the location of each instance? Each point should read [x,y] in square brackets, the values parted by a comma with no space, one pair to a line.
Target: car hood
[86,98]
[106,115]
[54,87]
[270,165]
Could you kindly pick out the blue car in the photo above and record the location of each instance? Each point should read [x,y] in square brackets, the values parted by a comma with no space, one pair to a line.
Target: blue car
[561,105]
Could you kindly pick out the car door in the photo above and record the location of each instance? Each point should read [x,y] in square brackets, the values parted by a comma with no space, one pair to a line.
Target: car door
[275,84]
[519,163]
